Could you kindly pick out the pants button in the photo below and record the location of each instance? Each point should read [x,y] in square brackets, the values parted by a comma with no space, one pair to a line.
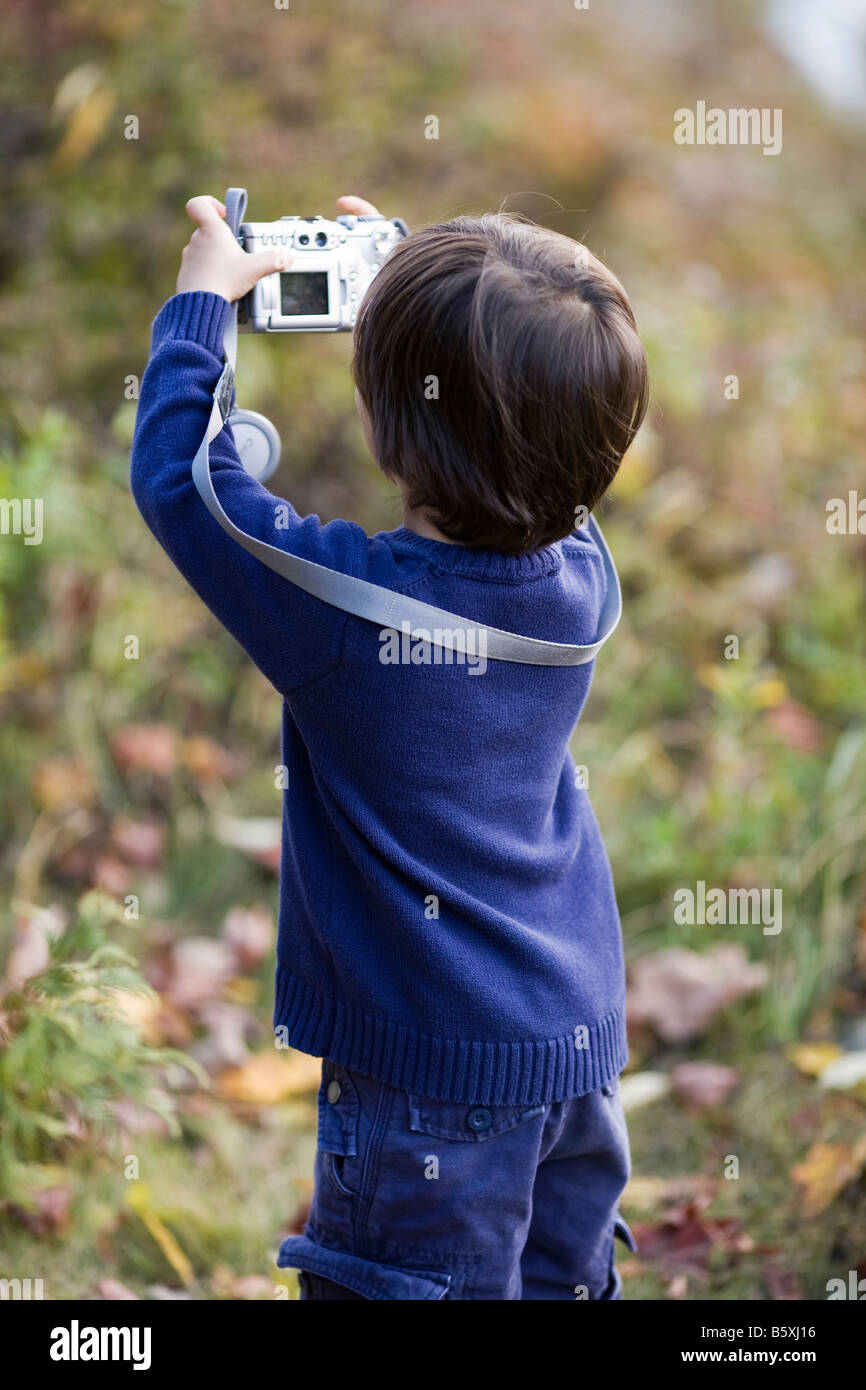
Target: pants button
[334,1092]
[479,1120]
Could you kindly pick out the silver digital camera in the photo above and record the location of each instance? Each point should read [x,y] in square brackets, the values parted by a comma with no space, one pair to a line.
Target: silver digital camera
[333,263]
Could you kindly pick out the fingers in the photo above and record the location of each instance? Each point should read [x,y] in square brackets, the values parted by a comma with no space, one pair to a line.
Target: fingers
[205,210]
[266,262]
[359,206]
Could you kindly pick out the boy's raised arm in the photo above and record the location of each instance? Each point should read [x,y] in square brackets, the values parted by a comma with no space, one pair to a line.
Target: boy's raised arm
[291,636]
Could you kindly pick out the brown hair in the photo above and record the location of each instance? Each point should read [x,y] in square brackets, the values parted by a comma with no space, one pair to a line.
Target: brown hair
[527,345]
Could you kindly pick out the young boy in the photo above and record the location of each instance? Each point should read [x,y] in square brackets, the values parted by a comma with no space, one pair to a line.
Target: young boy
[448,939]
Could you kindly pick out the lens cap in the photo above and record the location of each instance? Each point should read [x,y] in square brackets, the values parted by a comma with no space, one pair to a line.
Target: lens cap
[257,443]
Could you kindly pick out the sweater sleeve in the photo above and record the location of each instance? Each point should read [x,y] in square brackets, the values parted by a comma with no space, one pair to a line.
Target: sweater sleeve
[291,636]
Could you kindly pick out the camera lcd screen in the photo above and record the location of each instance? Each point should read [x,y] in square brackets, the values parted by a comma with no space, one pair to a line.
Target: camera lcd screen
[303,292]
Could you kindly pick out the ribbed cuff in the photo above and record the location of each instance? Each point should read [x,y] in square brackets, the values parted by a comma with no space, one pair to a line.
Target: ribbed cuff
[196,317]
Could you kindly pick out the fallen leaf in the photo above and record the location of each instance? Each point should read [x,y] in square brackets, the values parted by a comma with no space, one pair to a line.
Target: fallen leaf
[678,991]
[812,1058]
[113,1291]
[139,842]
[137,1119]
[200,967]
[241,1286]
[30,951]
[228,1028]
[258,836]
[682,1240]
[825,1171]
[145,748]
[796,726]
[641,1088]
[845,1073]
[86,100]
[110,875]
[271,1076]
[703,1083]
[49,1214]
[141,1011]
[250,933]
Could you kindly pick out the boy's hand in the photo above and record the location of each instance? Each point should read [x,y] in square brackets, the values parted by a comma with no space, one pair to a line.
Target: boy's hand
[212,260]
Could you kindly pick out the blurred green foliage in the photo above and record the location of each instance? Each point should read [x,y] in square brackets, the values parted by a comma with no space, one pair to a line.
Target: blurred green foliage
[69,1053]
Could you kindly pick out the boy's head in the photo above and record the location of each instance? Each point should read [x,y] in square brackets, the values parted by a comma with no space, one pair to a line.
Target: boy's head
[503,378]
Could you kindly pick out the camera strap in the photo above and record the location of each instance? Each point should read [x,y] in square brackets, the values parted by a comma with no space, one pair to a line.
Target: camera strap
[378,605]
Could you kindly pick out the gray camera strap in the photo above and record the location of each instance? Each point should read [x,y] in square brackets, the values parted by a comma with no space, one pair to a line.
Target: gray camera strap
[378,605]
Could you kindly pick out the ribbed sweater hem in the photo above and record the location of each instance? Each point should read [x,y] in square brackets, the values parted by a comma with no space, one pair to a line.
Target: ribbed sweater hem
[531,1072]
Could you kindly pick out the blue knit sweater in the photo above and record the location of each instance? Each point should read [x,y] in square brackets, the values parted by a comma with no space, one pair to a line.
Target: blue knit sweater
[447,917]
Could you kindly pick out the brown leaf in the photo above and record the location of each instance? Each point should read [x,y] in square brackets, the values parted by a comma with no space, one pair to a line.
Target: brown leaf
[49,1215]
[703,1083]
[113,1291]
[139,842]
[136,1119]
[250,933]
[825,1171]
[30,944]
[228,1028]
[796,726]
[145,748]
[682,1240]
[678,991]
[200,968]
[110,874]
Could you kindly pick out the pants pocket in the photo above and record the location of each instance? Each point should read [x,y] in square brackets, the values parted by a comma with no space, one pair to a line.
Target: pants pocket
[338,1138]
[445,1119]
[621,1231]
[333,1166]
[369,1278]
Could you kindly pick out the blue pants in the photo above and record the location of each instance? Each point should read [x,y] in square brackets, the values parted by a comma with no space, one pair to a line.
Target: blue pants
[419,1199]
